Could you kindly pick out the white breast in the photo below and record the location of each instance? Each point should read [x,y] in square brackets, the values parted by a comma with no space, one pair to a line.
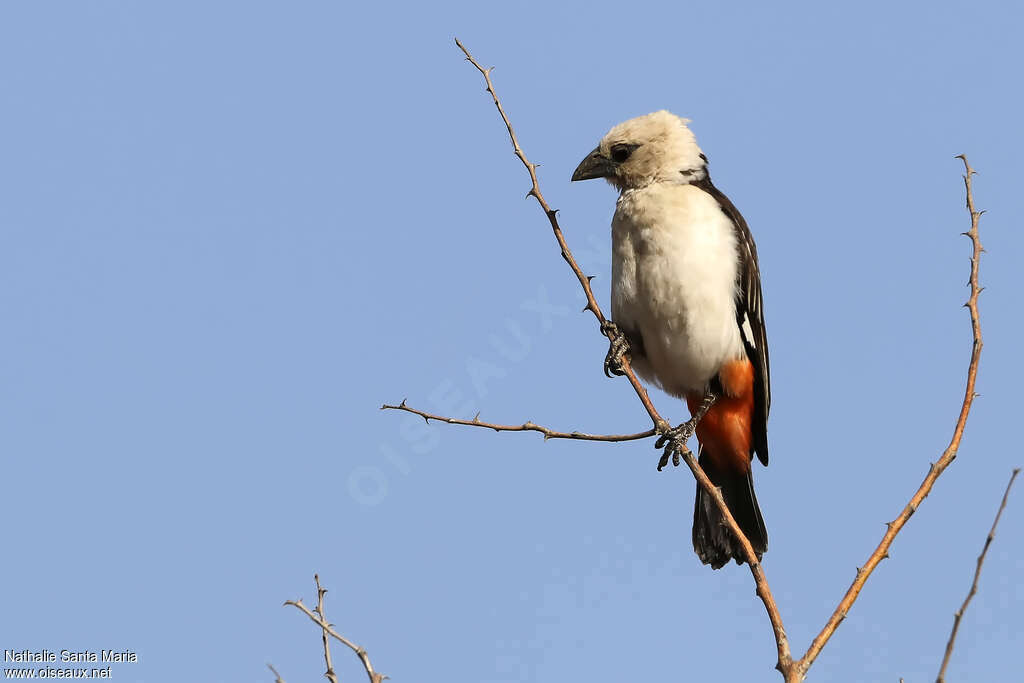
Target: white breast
[674,273]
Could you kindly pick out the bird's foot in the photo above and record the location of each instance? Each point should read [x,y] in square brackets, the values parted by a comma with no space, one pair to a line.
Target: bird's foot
[617,349]
[673,441]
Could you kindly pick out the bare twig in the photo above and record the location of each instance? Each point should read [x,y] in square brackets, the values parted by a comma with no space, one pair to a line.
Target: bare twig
[317,615]
[525,427]
[894,527]
[277,676]
[790,669]
[974,585]
[785,663]
[320,592]
[552,215]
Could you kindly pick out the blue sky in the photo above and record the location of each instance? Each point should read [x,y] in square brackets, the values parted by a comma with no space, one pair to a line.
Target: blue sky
[230,231]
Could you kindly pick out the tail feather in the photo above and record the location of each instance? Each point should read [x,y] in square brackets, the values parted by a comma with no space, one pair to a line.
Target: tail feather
[714,543]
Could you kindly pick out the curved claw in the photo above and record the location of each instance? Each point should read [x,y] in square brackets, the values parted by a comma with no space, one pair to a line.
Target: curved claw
[617,349]
[663,461]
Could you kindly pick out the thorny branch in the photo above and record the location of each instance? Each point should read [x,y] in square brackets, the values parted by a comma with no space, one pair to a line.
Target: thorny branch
[792,670]
[317,615]
[327,643]
[525,427]
[974,585]
[660,424]
[894,527]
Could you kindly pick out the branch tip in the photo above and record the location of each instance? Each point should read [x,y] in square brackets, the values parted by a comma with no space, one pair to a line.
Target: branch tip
[317,616]
[893,528]
[958,615]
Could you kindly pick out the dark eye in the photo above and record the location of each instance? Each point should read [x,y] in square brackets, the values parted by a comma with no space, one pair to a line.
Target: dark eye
[621,152]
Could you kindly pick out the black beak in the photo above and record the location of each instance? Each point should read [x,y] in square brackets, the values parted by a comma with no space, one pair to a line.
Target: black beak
[596,165]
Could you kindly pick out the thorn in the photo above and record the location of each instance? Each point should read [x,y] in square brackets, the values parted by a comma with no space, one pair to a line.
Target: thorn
[476,418]
[982,212]
[590,278]
[585,308]
[402,404]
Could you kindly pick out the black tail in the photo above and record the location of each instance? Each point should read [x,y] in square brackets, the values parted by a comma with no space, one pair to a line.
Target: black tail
[714,543]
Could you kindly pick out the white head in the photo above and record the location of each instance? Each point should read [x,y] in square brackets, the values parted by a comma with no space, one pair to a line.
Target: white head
[649,149]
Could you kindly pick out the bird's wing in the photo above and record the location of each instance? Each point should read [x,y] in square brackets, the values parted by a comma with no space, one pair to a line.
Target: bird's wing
[749,316]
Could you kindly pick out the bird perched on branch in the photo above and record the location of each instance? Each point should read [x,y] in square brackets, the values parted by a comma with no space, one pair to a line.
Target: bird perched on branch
[686,305]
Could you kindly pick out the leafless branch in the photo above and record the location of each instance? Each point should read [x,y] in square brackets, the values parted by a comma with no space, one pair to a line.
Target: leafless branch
[320,592]
[317,615]
[552,215]
[792,670]
[894,527]
[974,584]
[525,427]
[785,663]
[277,676]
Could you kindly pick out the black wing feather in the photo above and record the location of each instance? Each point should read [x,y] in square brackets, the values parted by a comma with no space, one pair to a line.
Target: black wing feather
[749,306]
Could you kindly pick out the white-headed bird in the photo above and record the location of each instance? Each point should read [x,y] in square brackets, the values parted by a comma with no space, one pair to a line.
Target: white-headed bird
[686,299]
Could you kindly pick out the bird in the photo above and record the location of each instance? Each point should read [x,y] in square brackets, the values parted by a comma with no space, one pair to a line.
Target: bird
[687,309]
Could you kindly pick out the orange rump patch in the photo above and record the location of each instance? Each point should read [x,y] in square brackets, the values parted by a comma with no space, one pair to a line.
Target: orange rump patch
[737,378]
[725,431]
